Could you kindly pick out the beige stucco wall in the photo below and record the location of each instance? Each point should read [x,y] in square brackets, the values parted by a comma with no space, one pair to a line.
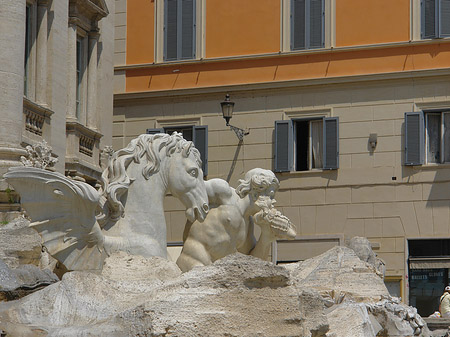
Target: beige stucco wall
[361,197]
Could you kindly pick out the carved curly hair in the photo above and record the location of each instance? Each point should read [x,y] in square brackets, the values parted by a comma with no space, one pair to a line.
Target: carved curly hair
[115,180]
[257,180]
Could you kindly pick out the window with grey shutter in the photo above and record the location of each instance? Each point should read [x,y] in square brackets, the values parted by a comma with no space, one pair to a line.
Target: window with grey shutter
[201,143]
[154,131]
[284,151]
[331,143]
[444,21]
[307,24]
[429,9]
[414,138]
[435,18]
[179,29]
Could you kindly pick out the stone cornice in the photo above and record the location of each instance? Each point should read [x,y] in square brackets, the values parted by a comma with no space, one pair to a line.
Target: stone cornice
[82,12]
[43,111]
[122,98]
[76,126]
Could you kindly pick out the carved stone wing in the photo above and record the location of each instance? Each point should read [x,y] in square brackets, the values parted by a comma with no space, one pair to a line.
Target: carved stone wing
[63,213]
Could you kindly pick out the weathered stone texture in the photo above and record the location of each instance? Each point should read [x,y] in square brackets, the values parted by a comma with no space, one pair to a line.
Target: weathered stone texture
[15,251]
[238,295]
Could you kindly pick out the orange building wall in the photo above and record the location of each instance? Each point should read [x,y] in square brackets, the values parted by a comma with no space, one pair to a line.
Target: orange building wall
[371,21]
[242,27]
[324,65]
[140,31]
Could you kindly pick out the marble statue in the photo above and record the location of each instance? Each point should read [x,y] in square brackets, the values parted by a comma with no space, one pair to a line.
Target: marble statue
[80,226]
[229,226]
[39,155]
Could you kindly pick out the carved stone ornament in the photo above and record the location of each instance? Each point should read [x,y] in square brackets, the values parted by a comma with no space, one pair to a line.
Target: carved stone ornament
[39,155]
[80,226]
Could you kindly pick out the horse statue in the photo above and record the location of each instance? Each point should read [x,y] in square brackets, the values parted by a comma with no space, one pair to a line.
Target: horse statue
[81,226]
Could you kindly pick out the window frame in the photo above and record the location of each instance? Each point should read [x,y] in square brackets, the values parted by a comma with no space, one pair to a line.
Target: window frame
[307,26]
[309,146]
[81,82]
[199,35]
[201,143]
[29,77]
[418,140]
[286,150]
[328,26]
[438,34]
[441,113]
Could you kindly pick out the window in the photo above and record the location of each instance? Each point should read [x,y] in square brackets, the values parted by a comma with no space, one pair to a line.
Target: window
[435,22]
[427,137]
[81,67]
[307,24]
[28,42]
[179,29]
[307,144]
[198,134]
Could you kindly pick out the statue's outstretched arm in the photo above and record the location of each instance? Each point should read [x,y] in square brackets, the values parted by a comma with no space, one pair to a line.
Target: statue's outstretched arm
[63,213]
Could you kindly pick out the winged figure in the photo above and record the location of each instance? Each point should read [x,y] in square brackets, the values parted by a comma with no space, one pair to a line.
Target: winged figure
[80,226]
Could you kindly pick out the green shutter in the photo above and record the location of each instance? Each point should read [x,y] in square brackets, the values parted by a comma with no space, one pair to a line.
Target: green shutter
[201,143]
[414,138]
[331,143]
[284,151]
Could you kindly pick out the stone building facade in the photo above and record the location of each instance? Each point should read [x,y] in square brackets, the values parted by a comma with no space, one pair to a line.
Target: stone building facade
[377,71]
[56,65]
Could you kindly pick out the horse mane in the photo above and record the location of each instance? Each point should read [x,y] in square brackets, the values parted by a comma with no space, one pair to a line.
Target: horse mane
[115,179]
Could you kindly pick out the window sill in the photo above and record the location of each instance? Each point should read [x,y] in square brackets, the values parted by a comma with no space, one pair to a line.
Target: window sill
[429,166]
[433,166]
[309,172]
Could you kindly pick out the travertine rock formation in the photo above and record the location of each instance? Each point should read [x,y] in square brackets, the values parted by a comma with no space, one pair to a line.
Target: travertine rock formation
[15,252]
[333,295]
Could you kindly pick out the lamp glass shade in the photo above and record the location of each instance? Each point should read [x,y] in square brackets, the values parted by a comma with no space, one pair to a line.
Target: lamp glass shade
[227,109]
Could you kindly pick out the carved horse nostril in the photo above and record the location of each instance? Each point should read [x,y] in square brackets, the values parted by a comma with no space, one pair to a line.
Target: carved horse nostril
[205,207]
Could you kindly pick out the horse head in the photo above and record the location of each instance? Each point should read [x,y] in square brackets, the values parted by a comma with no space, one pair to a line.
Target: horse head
[185,182]
[171,158]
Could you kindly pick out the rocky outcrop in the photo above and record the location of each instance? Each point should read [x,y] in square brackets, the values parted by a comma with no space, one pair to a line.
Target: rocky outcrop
[16,252]
[23,280]
[339,273]
[335,294]
[363,249]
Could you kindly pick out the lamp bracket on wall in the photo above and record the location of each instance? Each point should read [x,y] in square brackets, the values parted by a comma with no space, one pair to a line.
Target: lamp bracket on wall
[240,133]
[227,112]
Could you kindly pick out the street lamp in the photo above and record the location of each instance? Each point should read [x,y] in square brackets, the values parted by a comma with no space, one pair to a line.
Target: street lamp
[227,112]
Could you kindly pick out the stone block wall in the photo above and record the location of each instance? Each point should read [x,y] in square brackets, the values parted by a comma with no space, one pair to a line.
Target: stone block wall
[372,193]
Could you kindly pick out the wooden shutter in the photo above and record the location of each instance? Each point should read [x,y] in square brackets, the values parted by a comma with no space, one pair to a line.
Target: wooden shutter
[298,24]
[201,143]
[444,18]
[331,143]
[154,131]
[170,30]
[187,50]
[429,8]
[284,139]
[414,138]
[316,24]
